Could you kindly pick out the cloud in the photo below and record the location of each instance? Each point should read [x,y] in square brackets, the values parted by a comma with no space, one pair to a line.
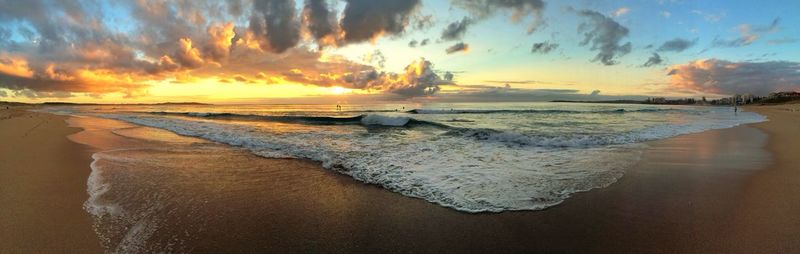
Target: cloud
[621,11]
[5,34]
[726,77]
[68,47]
[482,93]
[605,36]
[220,41]
[676,45]
[747,34]
[240,78]
[375,58]
[424,42]
[745,39]
[275,25]
[423,22]
[456,30]
[516,82]
[458,47]
[413,43]
[543,47]
[710,17]
[365,20]
[733,43]
[785,40]
[666,14]
[655,59]
[187,55]
[320,21]
[519,9]
[419,79]
[773,27]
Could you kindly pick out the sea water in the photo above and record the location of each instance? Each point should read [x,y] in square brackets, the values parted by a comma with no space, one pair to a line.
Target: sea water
[472,157]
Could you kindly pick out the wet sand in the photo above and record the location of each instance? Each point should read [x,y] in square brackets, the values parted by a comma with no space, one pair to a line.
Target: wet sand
[768,215]
[732,191]
[42,186]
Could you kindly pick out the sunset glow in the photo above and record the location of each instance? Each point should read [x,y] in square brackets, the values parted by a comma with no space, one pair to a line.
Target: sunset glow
[132,52]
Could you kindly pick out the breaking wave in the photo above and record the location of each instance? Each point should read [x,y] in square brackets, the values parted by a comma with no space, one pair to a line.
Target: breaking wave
[365,120]
[538,111]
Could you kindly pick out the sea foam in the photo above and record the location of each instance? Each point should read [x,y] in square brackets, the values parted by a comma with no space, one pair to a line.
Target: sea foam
[453,171]
[514,164]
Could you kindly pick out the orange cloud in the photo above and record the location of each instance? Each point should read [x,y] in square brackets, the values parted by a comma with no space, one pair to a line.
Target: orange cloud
[187,55]
[15,66]
[220,41]
[726,77]
[171,42]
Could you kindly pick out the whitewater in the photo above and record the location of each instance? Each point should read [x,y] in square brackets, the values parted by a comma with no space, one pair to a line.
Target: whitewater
[476,157]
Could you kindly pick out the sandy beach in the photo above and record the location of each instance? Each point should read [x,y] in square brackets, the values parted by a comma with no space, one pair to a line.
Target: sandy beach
[42,186]
[731,191]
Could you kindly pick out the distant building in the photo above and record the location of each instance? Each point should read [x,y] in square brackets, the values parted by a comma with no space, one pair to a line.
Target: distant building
[784,95]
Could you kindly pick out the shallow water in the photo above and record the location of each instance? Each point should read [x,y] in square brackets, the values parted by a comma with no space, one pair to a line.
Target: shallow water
[470,157]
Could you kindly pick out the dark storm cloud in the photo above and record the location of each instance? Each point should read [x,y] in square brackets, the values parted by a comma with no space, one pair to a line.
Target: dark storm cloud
[604,35]
[519,9]
[364,20]
[274,24]
[676,45]
[458,47]
[543,47]
[655,59]
[456,30]
[319,19]
[726,77]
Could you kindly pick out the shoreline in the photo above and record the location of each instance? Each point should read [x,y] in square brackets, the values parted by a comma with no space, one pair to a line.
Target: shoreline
[690,211]
[43,185]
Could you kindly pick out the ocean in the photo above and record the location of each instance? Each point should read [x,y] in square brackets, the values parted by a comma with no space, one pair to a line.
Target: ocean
[180,178]
[472,157]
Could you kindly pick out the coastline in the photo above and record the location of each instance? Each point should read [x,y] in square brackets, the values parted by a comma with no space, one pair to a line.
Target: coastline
[43,185]
[703,192]
[769,204]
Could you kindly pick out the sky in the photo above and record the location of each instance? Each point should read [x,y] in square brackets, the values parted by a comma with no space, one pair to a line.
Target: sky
[353,51]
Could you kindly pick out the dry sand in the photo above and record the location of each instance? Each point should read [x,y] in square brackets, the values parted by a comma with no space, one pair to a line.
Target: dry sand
[768,215]
[42,186]
[731,191]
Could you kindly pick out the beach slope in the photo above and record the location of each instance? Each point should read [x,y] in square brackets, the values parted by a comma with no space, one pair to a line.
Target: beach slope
[42,186]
